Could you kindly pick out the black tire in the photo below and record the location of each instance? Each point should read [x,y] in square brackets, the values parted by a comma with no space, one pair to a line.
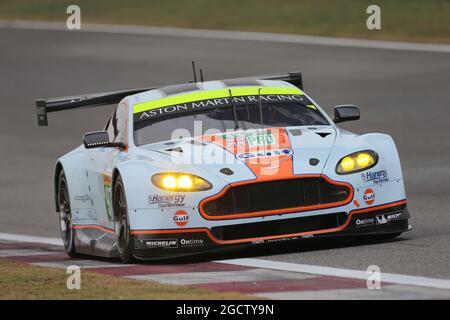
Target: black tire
[65,215]
[122,223]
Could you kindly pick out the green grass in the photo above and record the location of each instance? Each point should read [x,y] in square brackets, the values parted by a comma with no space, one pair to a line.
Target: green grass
[20,281]
[410,20]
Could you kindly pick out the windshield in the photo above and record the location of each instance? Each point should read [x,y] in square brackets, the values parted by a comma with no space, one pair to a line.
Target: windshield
[285,114]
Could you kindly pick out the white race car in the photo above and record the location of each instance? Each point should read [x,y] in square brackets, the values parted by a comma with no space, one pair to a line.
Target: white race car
[190,168]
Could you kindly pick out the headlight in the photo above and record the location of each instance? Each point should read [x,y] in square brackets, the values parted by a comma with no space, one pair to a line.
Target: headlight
[358,161]
[175,181]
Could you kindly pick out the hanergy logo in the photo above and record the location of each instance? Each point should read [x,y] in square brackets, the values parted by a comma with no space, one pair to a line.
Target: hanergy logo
[264,154]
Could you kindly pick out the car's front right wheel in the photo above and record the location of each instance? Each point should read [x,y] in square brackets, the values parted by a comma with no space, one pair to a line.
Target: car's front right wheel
[122,223]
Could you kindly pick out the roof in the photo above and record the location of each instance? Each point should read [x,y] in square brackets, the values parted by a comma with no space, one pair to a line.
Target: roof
[181,93]
[204,95]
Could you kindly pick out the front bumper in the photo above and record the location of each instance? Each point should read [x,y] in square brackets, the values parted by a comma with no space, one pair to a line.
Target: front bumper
[388,218]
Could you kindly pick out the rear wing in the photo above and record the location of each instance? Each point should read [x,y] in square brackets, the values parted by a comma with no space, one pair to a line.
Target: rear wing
[45,106]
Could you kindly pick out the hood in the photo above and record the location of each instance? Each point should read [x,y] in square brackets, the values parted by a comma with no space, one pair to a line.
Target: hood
[263,154]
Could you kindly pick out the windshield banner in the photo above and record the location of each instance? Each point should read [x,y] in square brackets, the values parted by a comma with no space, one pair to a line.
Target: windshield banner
[202,105]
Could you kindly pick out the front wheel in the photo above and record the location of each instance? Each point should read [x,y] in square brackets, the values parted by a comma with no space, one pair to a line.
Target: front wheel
[65,215]
[122,223]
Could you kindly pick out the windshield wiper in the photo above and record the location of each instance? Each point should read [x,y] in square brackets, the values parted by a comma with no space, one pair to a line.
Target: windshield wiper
[260,109]
[236,122]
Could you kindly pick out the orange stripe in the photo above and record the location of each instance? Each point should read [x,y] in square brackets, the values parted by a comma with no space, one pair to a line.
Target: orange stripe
[94,227]
[278,211]
[265,168]
[208,232]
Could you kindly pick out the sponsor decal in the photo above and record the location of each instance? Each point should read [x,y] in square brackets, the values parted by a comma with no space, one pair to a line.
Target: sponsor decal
[381,219]
[167,201]
[251,139]
[369,196]
[356,203]
[264,139]
[388,217]
[181,218]
[161,243]
[282,239]
[192,242]
[265,154]
[217,102]
[375,176]
[83,198]
[108,195]
[365,222]
[85,220]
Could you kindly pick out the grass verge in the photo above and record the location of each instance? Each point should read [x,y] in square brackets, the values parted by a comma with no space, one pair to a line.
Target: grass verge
[21,281]
[409,20]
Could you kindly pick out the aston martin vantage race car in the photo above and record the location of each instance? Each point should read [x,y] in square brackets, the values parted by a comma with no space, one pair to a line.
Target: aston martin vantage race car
[191,168]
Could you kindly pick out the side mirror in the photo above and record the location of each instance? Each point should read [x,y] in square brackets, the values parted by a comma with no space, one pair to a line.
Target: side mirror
[99,139]
[346,113]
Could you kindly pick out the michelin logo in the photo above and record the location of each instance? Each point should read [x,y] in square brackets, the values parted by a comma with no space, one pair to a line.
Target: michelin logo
[162,243]
[385,218]
[375,176]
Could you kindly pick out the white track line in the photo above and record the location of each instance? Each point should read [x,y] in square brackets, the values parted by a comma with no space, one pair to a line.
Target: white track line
[285,266]
[338,272]
[228,35]
[33,239]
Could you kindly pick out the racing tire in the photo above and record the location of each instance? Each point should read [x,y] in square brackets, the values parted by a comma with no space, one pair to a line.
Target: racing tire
[65,215]
[122,223]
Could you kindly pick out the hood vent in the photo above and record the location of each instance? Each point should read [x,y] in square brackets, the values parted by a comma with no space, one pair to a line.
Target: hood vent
[197,143]
[296,132]
[176,149]
[323,134]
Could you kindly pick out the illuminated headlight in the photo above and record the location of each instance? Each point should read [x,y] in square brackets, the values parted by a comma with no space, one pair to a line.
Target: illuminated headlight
[175,181]
[358,161]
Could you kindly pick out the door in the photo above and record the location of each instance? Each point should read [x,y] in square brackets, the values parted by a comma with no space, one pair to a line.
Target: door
[102,161]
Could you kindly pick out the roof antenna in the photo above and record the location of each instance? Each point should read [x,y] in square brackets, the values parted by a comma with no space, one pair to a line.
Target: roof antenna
[193,69]
[201,75]
[260,109]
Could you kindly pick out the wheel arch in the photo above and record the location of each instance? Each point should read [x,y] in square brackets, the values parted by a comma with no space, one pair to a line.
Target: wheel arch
[76,174]
[114,176]
[58,169]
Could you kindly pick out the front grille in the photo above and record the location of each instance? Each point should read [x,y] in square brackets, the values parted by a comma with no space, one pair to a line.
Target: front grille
[275,195]
[279,227]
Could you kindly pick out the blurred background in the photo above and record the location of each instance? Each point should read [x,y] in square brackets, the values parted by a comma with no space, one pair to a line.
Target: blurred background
[404,93]
[411,20]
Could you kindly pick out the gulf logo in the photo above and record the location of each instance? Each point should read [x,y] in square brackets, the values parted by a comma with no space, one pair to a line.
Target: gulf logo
[181,218]
[369,196]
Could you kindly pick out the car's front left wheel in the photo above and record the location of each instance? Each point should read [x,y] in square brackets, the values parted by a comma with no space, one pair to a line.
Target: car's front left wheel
[122,223]
[65,215]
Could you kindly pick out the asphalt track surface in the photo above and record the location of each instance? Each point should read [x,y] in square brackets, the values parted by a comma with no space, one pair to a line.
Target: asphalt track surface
[403,93]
